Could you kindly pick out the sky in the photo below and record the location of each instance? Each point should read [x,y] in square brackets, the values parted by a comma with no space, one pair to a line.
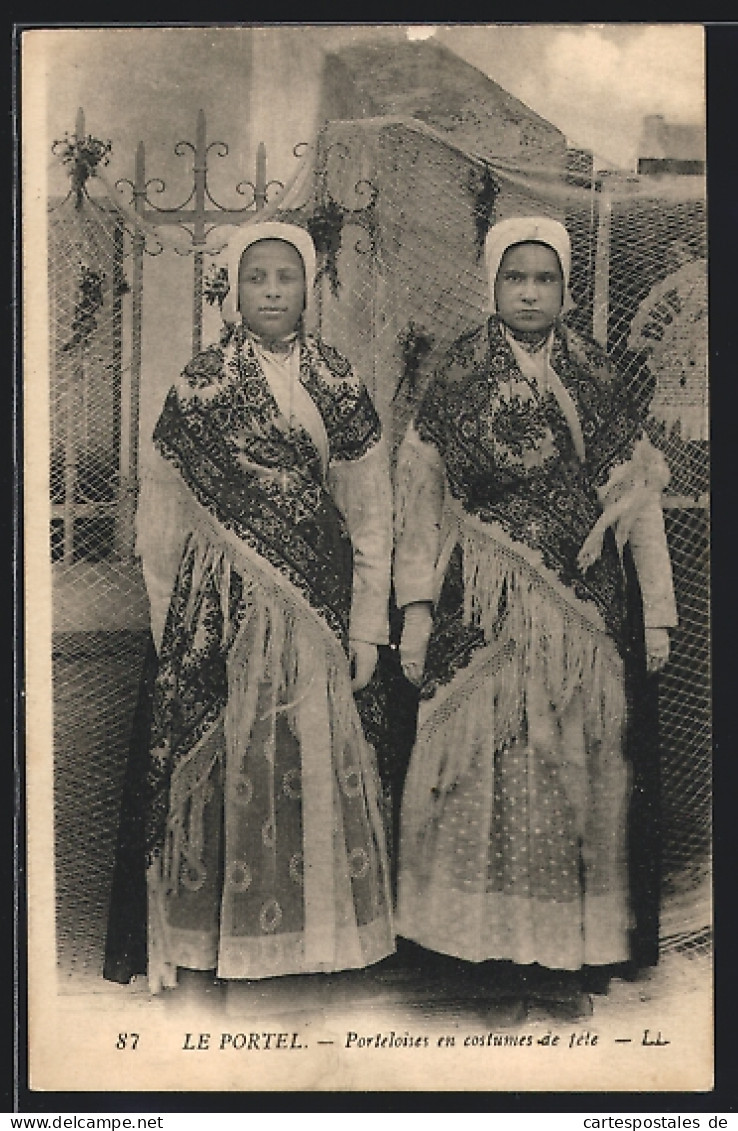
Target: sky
[595,82]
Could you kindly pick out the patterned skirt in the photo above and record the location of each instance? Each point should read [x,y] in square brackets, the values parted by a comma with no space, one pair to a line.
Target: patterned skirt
[271,858]
[513,832]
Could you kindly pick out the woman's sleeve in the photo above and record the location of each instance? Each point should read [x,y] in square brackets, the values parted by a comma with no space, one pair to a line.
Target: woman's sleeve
[653,564]
[162,517]
[631,500]
[161,532]
[630,475]
[419,494]
[362,491]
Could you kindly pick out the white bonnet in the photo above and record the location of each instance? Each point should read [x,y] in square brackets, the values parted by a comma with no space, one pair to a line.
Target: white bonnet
[255,232]
[524,229]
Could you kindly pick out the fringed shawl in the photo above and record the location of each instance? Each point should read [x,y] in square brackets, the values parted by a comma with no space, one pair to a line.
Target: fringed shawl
[258,513]
[510,460]
[263,479]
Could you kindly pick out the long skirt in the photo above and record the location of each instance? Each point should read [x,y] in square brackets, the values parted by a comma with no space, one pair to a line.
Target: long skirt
[272,857]
[514,820]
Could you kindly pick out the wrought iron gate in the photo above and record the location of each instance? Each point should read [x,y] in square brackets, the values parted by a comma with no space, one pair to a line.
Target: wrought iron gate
[94,478]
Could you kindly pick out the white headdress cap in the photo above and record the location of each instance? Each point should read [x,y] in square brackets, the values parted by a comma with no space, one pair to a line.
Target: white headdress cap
[255,232]
[526,229]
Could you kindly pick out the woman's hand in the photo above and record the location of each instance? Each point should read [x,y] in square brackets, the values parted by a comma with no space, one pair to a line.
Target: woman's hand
[416,631]
[591,547]
[363,662]
[657,648]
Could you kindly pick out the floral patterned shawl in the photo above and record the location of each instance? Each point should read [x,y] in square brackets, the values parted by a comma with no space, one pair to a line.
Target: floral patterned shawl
[258,485]
[510,459]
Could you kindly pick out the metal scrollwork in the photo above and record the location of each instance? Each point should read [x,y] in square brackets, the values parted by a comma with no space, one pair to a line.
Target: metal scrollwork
[334,213]
[151,243]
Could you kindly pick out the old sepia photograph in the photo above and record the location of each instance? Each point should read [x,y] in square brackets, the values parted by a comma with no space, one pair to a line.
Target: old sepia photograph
[366,511]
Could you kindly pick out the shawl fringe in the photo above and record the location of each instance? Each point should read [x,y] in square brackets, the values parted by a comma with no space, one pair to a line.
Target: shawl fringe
[535,633]
[283,648]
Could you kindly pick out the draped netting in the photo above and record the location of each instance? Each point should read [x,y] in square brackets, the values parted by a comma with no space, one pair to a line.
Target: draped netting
[96,585]
[87,288]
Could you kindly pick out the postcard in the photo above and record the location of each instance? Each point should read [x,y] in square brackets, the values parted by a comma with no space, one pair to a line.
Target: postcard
[366,498]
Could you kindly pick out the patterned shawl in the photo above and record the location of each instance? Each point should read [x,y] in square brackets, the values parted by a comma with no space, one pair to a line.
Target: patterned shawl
[259,496]
[262,479]
[510,459]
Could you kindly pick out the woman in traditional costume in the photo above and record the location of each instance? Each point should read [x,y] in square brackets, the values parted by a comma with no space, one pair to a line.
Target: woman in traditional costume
[265,540]
[523,475]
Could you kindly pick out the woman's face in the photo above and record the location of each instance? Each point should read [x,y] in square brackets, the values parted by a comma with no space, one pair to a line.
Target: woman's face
[529,288]
[271,288]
